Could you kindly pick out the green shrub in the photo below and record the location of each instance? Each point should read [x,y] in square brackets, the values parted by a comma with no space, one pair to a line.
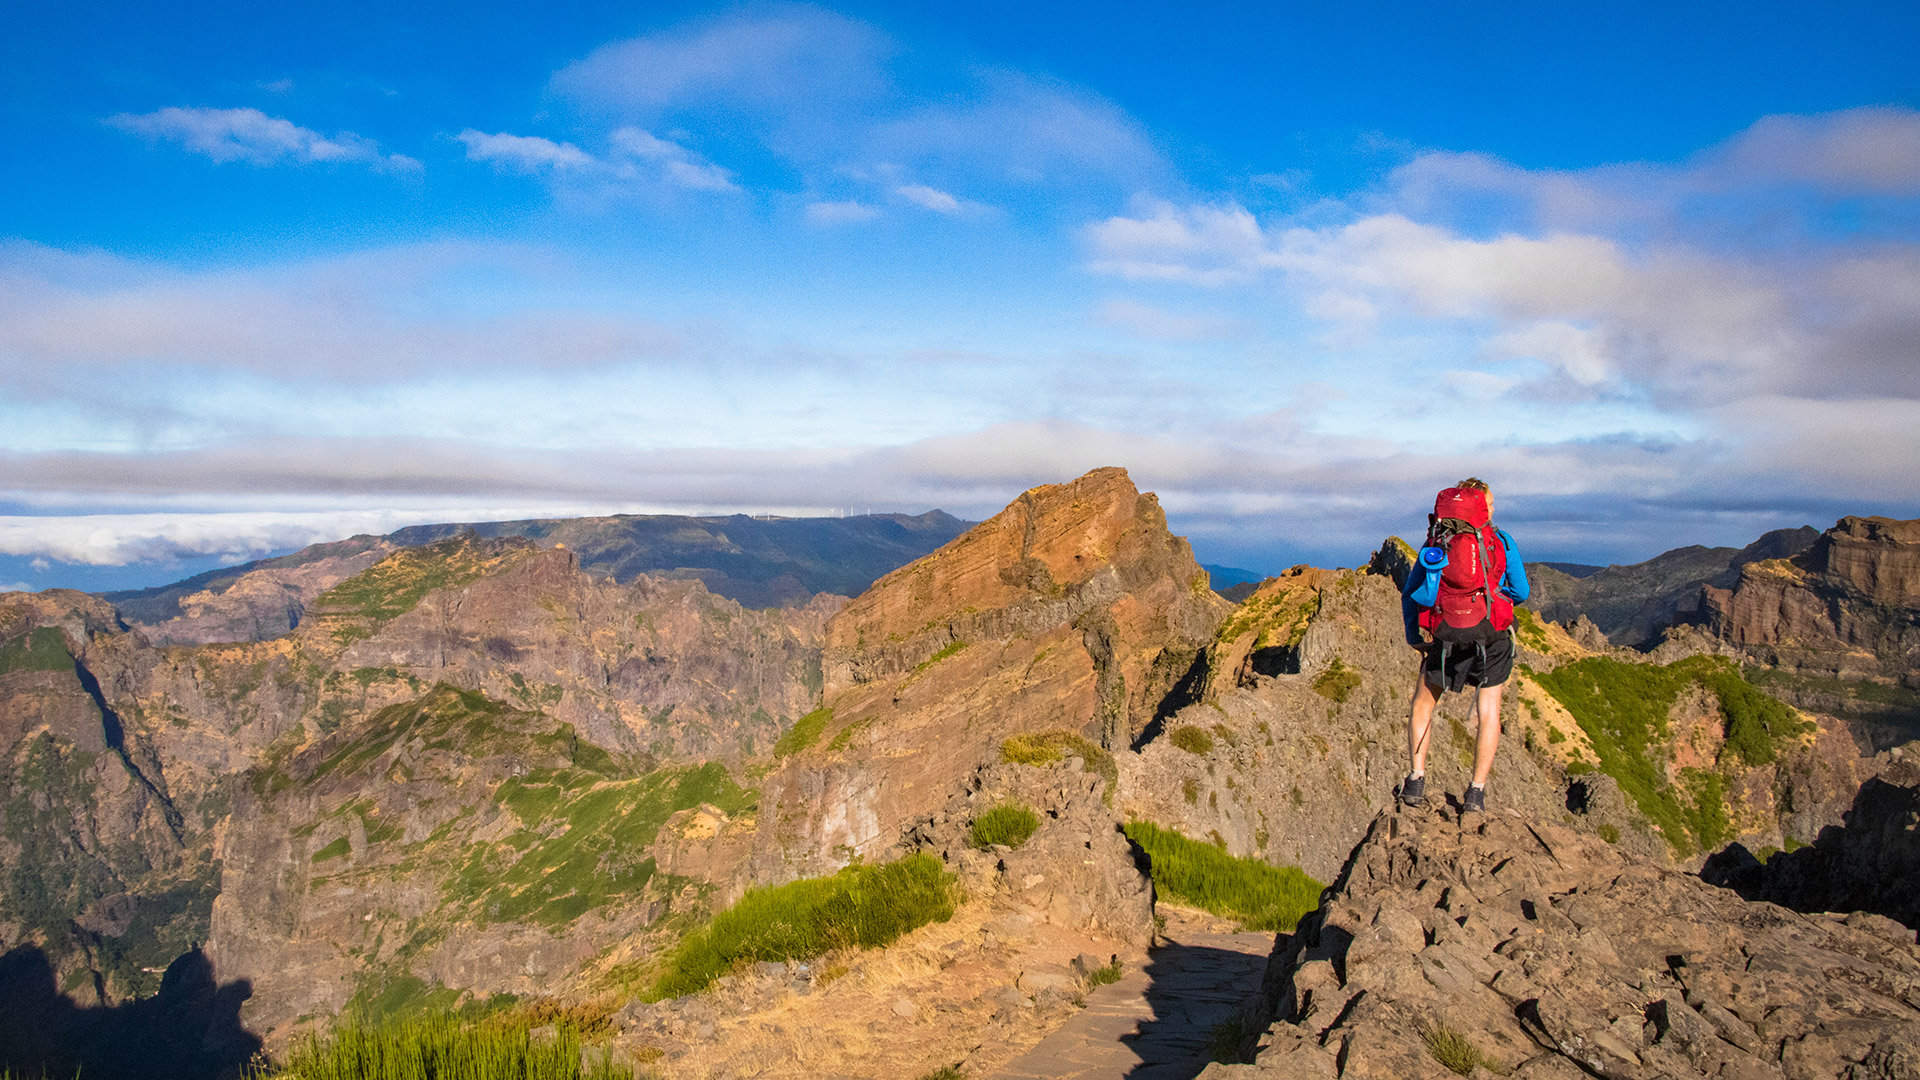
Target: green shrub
[1609,833]
[1226,1037]
[1337,681]
[860,907]
[443,1047]
[804,733]
[1261,896]
[1453,1050]
[1191,739]
[1009,823]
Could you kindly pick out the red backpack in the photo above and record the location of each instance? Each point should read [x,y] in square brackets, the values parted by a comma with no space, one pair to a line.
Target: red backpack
[1476,563]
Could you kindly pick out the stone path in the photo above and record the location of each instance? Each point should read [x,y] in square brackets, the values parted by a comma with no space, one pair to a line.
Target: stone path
[1155,1024]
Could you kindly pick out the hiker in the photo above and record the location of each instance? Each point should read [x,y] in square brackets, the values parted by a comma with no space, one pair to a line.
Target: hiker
[1461,593]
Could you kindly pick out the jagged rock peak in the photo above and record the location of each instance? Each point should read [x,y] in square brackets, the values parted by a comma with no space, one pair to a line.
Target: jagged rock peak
[1055,553]
[1529,950]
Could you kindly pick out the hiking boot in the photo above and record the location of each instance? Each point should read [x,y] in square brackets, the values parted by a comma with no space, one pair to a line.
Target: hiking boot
[1474,801]
[1413,790]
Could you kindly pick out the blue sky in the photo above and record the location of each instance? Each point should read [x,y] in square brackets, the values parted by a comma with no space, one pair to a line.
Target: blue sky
[277,273]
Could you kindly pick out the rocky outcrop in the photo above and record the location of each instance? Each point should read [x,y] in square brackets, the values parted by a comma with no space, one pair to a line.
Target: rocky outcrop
[1529,950]
[1073,609]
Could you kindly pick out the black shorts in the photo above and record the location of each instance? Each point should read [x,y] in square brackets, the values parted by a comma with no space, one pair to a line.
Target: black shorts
[1478,656]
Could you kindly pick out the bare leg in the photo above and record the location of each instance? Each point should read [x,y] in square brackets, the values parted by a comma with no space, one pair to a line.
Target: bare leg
[1420,721]
[1487,704]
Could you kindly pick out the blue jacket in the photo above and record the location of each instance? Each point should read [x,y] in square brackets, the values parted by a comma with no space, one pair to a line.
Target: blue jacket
[1423,586]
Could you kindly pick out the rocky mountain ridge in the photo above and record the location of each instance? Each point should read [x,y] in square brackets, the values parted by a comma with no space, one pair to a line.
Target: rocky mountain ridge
[759,562]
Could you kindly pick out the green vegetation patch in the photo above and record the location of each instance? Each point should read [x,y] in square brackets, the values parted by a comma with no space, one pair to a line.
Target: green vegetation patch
[1049,747]
[1337,682]
[1280,618]
[804,733]
[395,585]
[1529,631]
[335,850]
[1191,739]
[1623,708]
[443,1046]
[1261,896]
[584,840]
[1009,823]
[43,648]
[861,907]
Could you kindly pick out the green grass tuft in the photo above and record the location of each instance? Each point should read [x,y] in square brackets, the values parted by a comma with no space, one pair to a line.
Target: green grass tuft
[334,850]
[860,907]
[1191,739]
[1337,682]
[1101,976]
[1226,1038]
[1009,823]
[1261,896]
[1049,747]
[1454,1050]
[949,1072]
[804,733]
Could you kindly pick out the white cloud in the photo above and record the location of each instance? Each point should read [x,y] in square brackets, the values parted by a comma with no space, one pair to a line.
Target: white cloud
[799,88]
[847,212]
[787,57]
[932,198]
[525,153]
[680,166]
[16,586]
[252,136]
[633,155]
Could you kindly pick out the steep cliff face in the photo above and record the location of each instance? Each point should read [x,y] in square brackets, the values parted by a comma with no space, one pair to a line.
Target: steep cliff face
[1840,623]
[246,603]
[105,854]
[1072,609]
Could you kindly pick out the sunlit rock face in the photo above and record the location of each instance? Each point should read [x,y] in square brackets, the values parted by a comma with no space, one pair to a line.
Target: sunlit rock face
[1074,608]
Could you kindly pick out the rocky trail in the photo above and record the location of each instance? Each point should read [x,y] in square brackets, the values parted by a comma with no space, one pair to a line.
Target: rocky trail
[1157,1023]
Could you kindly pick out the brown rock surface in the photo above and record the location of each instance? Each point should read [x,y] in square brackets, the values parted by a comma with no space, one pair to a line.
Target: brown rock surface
[1532,950]
[1073,609]
[1849,606]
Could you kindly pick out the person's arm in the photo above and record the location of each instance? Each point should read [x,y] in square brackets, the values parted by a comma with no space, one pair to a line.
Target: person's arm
[1513,584]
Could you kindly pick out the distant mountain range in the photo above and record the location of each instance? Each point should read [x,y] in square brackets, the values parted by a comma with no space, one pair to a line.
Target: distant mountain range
[1631,604]
[759,562]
